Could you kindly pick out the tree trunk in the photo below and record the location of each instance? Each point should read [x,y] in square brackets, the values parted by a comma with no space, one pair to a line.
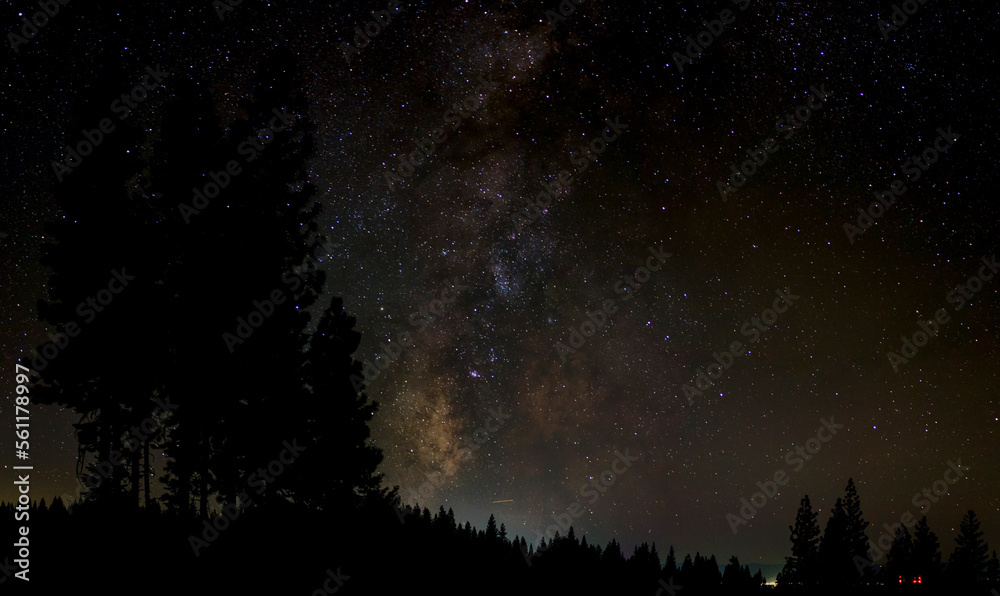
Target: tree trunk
[145,473]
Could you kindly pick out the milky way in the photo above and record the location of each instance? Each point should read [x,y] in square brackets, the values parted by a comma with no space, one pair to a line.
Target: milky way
[469,284]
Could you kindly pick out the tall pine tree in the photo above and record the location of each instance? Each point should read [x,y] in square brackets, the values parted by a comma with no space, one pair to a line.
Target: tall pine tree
[926,552]
[802,568]
[106,257]
[899,564]
[969,561]
[854,532]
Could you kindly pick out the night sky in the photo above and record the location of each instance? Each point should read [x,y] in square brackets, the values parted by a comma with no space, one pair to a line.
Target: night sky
[498,406]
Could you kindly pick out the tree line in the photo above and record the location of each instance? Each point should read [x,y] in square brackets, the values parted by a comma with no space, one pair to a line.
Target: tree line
[842,556]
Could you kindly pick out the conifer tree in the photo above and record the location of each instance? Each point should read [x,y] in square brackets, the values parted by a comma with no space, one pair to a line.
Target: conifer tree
[854,532]
[900,560]
[242,398]
[834,550]
[993,569]
[105,256]
[968,563]
[803,566]
[335,423]
[926,551]
[491,529]
[731,576]
[670,566]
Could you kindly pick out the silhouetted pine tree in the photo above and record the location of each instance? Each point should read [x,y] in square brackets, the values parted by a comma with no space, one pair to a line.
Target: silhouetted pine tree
[491,529]
[104,233]
[854,531]
[267,219]
[993,569]
[900,561]
[926,552]
[732,574]
[612,553]
[670,565]
[644,561]
[335,422]
[802,568]
[712,572]
[686,573]
[836,564]
[238,310]
[968,562]
[58,508]
[190,143]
